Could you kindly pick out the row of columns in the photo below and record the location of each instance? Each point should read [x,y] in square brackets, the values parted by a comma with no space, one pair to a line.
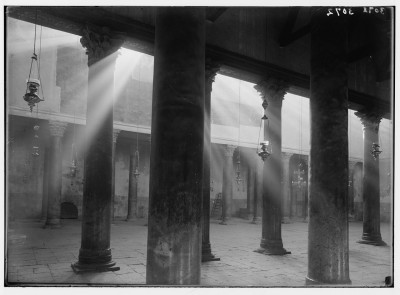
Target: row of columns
[178,228]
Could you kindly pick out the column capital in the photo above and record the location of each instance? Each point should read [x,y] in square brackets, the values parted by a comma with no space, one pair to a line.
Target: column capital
[229,150]
[211,69]
[286,156]
[370,119]
[57,128]
[272,89]
[115,134]
[99,42]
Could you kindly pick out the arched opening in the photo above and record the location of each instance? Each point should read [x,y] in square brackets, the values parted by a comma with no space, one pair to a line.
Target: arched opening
[69,211]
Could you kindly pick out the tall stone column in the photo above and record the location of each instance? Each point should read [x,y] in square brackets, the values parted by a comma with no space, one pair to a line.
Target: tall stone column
[133,184]
[286,185]
[273,91]
[257,190]
[211,70]
[176,166]
[371,186]
[328,243]
[250,190]
[115,137]
[45,185]
[54,182]
[95,252]
[227,176]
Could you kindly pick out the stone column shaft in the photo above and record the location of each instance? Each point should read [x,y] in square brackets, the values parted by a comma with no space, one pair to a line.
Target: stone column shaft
[176,167]
[328,244]
[273,91]
[286,185]
[371,186]
[115,136]
[250,190]
[211,69]
[54,173]
[95,252]
[227,184]
[45,185]
[133,184]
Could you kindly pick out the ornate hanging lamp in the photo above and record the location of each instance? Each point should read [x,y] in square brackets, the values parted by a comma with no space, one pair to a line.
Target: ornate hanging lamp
[33,82]
[265,149]
[375,150]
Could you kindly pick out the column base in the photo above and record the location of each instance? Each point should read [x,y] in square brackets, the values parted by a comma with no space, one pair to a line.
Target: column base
[372,242]
[131,219]
[255,219]
[79,267]
[272,251]
[316,283]
[274,247]
[209,257]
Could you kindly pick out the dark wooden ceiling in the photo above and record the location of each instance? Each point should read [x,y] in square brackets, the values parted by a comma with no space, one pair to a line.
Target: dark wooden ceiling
[252,42]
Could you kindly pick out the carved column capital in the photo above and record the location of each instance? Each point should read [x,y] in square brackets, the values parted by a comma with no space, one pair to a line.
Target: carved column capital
[99,42]
[272,89]
[370,119]
[211,69]
[115,135]
[286,156]
[229,150]
[57,128]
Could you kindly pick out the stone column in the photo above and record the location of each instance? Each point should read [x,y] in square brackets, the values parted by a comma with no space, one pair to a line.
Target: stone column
[328,243]
[227,184]
[54,173]
[273,91]
[371,186]
[257,190]
[133,184]
[115,137]
[211,70]
[286,185]
[45,185]
[95,251]
[176,166]
[250,191]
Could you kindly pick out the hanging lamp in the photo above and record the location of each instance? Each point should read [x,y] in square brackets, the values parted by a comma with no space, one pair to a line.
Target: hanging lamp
[265,149]
[375,150]
[33,82]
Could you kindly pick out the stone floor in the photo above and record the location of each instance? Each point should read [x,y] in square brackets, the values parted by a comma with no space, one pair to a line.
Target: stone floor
[43,256]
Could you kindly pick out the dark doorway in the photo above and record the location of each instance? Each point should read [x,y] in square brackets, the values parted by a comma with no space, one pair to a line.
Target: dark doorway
[69,211]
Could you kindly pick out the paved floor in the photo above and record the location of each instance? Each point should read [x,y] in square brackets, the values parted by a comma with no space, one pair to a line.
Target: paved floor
[44,256]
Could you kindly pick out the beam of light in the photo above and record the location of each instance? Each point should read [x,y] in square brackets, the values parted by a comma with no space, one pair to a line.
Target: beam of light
[102,90]
[127,69]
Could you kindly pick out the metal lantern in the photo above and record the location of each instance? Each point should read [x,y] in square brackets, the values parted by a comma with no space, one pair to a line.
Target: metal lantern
[31,96]
[375,151]
[265,151]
